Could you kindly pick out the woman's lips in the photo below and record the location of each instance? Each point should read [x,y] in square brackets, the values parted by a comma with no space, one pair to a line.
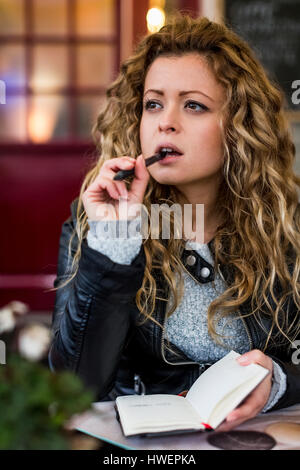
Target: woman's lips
[169,159]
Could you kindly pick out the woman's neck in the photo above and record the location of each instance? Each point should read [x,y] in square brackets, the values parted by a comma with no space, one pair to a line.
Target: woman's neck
[209,221]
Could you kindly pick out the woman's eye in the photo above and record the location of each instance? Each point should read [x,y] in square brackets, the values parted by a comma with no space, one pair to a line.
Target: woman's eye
[195,106]
[151,104]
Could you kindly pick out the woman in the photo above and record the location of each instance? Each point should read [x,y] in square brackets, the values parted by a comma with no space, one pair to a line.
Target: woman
[149,314]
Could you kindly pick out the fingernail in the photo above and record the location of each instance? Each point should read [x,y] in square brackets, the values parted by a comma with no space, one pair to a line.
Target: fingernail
[231,418]
[243,359]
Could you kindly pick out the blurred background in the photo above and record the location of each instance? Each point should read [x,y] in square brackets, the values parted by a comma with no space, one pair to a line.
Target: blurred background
[56,59]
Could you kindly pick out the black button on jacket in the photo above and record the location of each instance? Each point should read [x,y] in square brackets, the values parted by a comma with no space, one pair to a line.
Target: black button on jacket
[97,332]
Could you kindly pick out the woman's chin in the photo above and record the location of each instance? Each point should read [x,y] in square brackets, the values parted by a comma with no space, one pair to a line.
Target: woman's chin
[167,179]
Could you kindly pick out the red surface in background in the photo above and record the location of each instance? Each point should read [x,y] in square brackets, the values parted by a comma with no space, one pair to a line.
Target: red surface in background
[38,184]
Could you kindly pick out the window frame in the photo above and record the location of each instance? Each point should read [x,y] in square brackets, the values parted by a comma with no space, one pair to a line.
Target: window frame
[72,91]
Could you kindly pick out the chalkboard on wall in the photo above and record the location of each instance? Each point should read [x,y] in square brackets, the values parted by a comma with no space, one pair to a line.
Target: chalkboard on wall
[272,29]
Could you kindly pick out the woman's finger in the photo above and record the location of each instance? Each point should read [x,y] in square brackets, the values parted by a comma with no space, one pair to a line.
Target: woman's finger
[140,181]
[113,190]
[247,410]
[122,188]
[255,357]
[112,166]
[256,400]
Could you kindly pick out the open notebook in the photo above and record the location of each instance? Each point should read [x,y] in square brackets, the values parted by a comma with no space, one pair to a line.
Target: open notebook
[211,398]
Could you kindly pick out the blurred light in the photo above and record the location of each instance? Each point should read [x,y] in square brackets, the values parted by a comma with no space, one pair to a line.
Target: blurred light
[157,3]
[40,125]
[155,19]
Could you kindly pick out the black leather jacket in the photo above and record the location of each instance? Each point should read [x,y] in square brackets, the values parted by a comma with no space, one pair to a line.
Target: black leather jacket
[95,331]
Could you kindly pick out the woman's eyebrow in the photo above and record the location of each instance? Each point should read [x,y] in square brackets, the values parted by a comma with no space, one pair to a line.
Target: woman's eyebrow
[181,93]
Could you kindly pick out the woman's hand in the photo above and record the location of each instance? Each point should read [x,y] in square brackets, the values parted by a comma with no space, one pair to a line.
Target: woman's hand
[103,199]
[254,402]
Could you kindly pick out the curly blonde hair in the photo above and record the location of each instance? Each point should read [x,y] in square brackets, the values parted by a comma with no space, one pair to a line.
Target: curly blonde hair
[258,239]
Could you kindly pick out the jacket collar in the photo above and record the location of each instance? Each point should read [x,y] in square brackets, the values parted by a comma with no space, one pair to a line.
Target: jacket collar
[202,270]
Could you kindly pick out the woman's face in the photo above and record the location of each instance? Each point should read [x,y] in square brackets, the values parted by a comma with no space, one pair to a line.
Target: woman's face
[181,109]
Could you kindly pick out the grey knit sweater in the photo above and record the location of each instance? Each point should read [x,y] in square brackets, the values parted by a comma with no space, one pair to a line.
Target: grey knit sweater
[186,328]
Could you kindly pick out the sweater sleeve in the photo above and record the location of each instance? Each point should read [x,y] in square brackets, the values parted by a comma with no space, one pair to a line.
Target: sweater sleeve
[278,387]
[119,240]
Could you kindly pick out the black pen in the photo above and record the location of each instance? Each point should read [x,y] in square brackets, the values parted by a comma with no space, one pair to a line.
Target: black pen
[122,174]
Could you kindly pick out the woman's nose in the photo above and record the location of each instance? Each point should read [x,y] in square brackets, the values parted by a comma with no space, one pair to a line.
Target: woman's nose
[169,122]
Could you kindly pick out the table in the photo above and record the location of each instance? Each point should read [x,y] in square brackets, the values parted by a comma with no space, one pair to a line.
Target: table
[101,422]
